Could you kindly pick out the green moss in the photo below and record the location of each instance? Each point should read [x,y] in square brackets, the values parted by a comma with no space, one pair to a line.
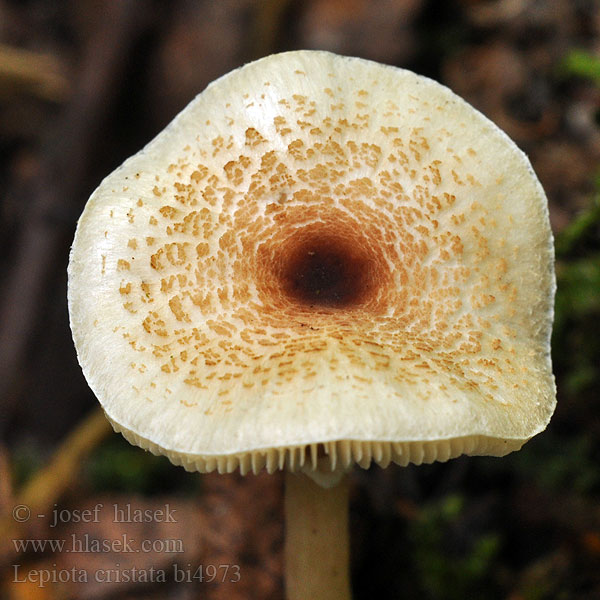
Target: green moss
[582,64]
[451,562]
[118,466]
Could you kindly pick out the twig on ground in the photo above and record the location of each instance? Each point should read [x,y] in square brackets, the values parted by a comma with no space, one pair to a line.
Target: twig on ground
[53,480]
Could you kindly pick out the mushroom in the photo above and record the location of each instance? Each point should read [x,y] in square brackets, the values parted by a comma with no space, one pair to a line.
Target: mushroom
[321,261]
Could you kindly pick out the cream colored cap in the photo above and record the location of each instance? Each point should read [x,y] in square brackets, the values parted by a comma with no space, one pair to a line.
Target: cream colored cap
[319,254]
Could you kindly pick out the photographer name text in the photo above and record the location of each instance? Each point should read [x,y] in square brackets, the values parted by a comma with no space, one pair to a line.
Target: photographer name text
[121,513]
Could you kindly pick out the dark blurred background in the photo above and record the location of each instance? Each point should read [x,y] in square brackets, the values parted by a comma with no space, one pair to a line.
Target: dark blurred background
[86,83]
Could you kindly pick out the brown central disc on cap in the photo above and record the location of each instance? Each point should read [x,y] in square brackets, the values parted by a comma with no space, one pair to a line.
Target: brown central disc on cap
[325,270]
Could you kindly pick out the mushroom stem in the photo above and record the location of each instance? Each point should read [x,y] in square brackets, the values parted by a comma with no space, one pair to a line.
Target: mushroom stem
[316,551]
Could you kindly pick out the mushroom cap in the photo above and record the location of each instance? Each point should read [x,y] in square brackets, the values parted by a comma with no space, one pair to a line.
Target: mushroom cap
[320,254]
